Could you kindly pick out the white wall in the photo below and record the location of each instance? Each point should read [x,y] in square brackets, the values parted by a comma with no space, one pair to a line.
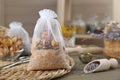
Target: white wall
[89,7]
[116,10]
[2,12]
[26,11]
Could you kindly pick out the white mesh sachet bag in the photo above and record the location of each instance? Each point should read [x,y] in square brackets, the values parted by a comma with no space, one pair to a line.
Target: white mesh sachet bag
[47,44]
[17,30]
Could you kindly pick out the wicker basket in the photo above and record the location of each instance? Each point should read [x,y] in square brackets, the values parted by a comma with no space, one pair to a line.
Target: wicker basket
[20,73]
[112,48]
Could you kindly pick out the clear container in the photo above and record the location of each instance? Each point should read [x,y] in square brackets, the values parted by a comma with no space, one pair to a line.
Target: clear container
[69,33]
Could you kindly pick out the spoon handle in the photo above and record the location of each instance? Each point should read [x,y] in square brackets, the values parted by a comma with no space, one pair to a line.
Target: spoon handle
[14,64]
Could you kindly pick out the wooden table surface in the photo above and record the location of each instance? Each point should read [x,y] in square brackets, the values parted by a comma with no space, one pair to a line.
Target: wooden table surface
[78,74]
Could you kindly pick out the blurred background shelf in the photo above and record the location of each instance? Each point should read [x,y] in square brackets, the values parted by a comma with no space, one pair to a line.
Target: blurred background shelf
[88,40]
[85,36]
